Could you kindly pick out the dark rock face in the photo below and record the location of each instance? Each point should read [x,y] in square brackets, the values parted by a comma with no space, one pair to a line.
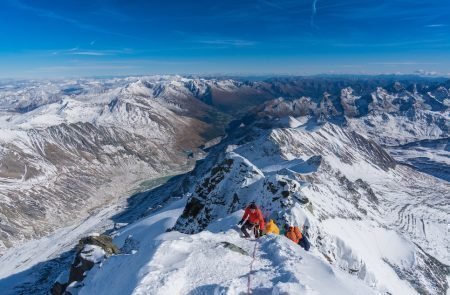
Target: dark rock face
[58,288]
[373,151]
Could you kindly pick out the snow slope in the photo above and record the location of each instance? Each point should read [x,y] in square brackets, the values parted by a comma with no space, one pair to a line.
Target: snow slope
[318,176]
[175,263]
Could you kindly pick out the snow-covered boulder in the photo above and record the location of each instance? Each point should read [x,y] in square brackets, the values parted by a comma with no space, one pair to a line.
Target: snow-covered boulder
[91,251]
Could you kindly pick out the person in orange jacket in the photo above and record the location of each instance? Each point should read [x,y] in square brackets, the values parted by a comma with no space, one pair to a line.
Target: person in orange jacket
[252,220]
[272,228]
[293,233]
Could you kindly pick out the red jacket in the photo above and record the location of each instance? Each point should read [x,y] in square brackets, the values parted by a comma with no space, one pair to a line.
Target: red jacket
[255,217]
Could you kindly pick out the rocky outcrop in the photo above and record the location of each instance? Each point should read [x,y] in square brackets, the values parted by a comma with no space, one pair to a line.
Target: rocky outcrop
[90,251]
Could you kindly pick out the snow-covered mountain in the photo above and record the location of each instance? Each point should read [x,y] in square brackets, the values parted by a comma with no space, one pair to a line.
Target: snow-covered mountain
[382,221]
[363,163]
[67,147]
[375,225]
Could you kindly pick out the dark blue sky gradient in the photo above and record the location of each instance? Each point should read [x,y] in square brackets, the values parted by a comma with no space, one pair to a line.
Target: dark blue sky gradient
[98,37]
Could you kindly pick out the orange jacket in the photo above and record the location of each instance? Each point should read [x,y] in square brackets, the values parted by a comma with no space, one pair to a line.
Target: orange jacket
[256,217]
[294,234]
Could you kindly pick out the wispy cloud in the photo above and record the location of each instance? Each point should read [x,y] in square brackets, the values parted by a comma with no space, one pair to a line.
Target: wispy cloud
[314,10]
[421,42]
[227,42]
[271,4]
[402,63]
[83,67]
[213,41]
[427,73]
[76,23]
[105,52]
[92,53]
[435,26]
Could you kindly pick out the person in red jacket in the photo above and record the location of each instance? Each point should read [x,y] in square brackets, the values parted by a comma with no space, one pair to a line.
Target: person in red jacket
[252,220]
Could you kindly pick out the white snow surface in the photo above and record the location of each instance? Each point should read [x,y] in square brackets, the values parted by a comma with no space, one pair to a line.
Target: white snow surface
[374,245]
[175,263]
[93,253]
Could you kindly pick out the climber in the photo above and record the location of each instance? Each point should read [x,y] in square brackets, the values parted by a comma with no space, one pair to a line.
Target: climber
[293,233]
[252,220]
[304,241]
[272,228]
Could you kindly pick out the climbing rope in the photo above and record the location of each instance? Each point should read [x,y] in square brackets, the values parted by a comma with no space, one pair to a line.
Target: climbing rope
[249,281]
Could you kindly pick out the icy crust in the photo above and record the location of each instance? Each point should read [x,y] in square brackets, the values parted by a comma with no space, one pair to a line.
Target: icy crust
[175,263]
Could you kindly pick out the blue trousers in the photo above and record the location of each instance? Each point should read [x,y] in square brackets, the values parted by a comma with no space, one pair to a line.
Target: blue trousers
[304,243]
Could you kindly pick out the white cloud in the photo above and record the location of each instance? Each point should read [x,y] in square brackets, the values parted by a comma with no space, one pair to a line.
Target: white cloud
[435,25]
[426,73]
[105,52]
[227,42]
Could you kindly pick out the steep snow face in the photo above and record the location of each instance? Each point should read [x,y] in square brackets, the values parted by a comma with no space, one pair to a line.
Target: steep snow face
[431,156]
[318,176]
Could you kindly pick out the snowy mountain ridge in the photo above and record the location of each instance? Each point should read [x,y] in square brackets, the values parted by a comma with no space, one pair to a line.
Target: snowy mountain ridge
[342,185]
[328,159]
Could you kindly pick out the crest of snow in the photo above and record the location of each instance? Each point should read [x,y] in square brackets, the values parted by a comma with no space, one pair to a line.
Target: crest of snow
[93,253]
[174,263]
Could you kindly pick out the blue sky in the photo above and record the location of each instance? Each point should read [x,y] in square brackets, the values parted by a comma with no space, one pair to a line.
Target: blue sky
[99,37]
